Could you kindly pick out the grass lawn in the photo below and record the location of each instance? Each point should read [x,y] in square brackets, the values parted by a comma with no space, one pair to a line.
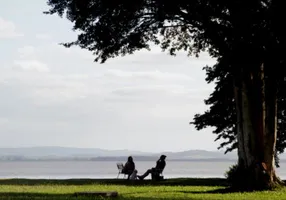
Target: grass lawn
[171,189]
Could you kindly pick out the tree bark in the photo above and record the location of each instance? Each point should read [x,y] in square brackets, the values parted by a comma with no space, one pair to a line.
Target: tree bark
[238,98]
[271,127]
[256,107]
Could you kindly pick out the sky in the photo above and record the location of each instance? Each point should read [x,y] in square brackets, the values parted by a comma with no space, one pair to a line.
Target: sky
[55,96]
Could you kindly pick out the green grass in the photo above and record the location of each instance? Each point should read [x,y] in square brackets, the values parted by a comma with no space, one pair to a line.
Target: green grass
[171,189]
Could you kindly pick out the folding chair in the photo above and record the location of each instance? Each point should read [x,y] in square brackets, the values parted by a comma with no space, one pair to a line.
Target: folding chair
[157,174]
[120,167]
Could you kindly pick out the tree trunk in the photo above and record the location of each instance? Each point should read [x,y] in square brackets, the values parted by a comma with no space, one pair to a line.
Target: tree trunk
[256,105]
[271,127]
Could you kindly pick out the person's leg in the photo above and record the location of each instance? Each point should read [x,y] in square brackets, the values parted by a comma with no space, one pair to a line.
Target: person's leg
[145,174]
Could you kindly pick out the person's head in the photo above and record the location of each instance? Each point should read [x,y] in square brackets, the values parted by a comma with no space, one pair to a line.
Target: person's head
[163,157]
[130,159]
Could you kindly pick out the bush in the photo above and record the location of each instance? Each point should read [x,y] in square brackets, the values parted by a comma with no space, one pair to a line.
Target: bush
[234,175]
[246,179]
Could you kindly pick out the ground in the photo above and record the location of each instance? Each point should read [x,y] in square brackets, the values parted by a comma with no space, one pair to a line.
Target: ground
[171,189]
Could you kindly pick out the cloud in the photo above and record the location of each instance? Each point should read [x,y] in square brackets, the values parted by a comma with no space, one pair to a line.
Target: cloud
[150,75]
[74,76]
[8,29]
[79,97]
[114,82]
[31,65]
[28,60]
[27,52]
[49,91]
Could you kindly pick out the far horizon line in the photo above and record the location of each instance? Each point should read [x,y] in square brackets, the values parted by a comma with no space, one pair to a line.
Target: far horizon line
[141,151]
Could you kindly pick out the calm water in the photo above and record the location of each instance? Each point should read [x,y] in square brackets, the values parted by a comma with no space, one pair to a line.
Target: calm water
[96,169]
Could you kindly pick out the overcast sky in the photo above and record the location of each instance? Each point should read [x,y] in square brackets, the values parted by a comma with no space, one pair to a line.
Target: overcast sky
[53,96]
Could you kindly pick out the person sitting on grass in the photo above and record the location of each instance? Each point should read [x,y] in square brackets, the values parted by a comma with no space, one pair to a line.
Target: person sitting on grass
[129,167]
[160,165]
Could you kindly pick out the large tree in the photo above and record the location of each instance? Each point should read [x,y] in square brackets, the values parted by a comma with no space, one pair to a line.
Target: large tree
[221,114]
[246,35]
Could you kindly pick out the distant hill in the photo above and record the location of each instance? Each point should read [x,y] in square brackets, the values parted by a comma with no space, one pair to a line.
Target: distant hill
[51,151]
[64,153]
[200,154]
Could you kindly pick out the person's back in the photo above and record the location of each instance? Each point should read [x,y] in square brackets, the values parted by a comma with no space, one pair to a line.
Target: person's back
[161,163]
[129,166]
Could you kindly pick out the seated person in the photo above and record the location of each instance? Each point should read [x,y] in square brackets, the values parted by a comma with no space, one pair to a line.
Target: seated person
[160,165]
[129,167]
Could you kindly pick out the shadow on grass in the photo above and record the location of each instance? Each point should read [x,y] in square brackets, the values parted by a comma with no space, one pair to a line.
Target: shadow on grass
[32,196]
[42,196]
[226,190]
[166,182]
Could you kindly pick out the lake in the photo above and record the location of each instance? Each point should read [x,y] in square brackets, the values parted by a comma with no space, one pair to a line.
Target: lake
[108,169]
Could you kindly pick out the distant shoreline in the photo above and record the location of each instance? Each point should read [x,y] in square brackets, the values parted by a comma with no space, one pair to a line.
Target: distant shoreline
[118,160]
